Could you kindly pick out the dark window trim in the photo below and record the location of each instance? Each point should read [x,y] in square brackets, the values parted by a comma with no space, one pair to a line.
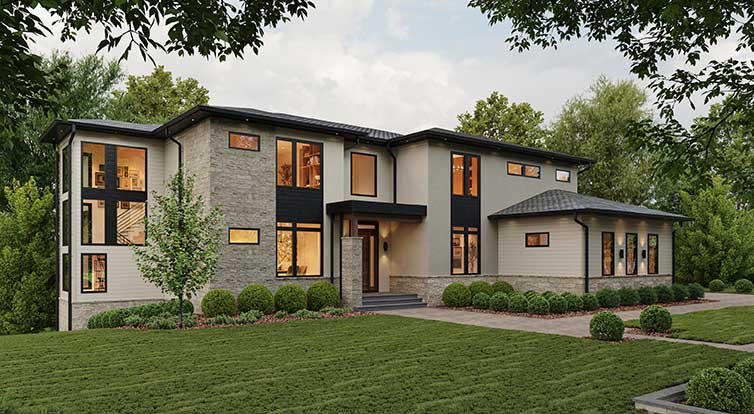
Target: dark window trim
[66,167]
[294,162]
[612,256]
[243,228]
[526,239]
[81,265]
[523,169]
[636,254]
[294,251]
[557,170]
[375,173]
[258,137]
[657,252]
[465,232]
[467,174]
[64,268]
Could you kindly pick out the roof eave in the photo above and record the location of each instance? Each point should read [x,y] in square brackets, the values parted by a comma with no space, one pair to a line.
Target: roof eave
[497,216]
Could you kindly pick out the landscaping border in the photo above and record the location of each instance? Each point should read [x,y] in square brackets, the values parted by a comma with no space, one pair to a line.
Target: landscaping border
[667,401]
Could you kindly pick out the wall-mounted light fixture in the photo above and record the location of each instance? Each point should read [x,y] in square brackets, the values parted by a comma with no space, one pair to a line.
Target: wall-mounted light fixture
[643,254]
[620,253]
[384,247]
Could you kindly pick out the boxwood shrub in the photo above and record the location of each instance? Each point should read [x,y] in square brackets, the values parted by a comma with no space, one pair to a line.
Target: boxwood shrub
[680,292]
[290,298]
[746,369]
[456,295]
[538,305]
[696,291]
[480,286]
[608,298]
[664,294]
[628,297]
[481,301]
[518,303]
[647,295]
[255,297]
[530,294]
[720,389]
[558,304]
[743,286]
[499,301]
[322,295]
[655,318]
[717,285]
[575,303]
[548,294]
[589,301]
[116,318]
[606,326]
[218,302]
[501,286]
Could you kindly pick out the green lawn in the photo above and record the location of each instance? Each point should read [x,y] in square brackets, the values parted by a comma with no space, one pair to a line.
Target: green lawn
[371,364]
[728,325]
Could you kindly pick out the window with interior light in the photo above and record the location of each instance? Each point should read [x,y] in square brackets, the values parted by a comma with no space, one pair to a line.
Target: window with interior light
[93,273]
[608,255]
[524,170]
[464,247]
[564,176]
[363,174]
[238,235]
[652,254]
[632,250]
[299,249]
[242,141]
[464,175]
[537,239]
[299,164]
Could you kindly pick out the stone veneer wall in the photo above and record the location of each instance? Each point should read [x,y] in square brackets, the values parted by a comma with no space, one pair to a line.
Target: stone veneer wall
[352,272]
[63,313]
[82,311]
[634,282]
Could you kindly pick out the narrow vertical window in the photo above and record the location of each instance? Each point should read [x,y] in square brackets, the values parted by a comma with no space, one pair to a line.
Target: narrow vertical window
[459,247]
[473,250]
[66,223]
[93,273]
[631,253]
[473,188]
[92,165]
[458,174]
[66,272]
[464,245]
[285,163]
[464,175]
[608,255]
[652,254]
[363,174]
[66,169]
[308,157]
[93,222]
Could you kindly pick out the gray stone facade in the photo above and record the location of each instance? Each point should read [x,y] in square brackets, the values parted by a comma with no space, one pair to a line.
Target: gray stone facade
[634,282]
[352,271]
[82,311]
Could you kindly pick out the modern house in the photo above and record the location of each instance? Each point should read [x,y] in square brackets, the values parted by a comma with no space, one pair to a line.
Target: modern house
[371,211]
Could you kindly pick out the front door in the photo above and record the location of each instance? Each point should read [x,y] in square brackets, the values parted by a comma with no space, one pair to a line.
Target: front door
[370,277]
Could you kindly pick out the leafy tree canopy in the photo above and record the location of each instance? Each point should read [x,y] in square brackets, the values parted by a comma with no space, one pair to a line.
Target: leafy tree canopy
[498,118]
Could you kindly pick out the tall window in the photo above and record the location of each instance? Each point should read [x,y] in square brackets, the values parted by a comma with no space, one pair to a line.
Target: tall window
[526,170]
[93,222]
[243,141]
[66,222]
[632,247]
[652,253]
[464,175]
[93,273]
[464,250]
[66,169]
[363,174]
[299,249]
[608,255]
[66,272]
[92,165]
[307,159]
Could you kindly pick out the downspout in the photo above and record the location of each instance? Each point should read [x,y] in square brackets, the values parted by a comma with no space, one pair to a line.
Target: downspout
[672,257]
[395,173]
[180,202]
[70,245]
[586,252]
[58,214]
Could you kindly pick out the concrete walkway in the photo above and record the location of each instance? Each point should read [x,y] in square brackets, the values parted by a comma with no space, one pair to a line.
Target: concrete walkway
[577,326]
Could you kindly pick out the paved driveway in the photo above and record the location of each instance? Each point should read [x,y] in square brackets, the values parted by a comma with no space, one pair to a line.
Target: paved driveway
[577,326]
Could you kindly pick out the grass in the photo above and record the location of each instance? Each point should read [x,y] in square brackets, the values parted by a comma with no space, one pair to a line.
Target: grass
[728,325]
[370,364]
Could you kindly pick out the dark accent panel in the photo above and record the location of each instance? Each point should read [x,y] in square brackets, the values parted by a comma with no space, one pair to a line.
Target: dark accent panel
[111,167]
[111,227]
[120,195]
[299,205]
[465,211]
[377,208]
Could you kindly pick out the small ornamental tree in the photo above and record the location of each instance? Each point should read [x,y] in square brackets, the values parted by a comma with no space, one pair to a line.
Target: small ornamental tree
[183,238]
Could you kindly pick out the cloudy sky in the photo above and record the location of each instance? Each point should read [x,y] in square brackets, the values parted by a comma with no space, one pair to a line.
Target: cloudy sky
[393,65]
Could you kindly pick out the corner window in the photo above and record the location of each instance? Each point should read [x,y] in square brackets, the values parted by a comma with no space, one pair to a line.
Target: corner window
[537,239]
[66,222]
[464,175]
[652,254]
[525,170]
[66,168]
[307,159]
[464,250]
[93,273]
[299,249]
[563,176]
[243,236]
[66,272]
[243,141]
[363,174]
[608,255]
[92,165]
[631,253]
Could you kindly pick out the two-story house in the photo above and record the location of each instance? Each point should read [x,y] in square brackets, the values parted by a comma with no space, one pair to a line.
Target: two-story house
[371,211]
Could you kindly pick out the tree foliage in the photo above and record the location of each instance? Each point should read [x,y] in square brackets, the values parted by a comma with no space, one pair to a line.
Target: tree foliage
[499,119]
[183,238]
[27,259]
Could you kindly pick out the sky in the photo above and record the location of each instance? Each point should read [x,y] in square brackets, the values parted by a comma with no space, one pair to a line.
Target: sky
[391,64]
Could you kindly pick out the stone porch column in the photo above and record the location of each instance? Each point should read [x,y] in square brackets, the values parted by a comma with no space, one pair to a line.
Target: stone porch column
[352,283]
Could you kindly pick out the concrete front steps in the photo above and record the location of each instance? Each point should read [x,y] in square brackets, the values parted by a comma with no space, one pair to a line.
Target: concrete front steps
[390,301]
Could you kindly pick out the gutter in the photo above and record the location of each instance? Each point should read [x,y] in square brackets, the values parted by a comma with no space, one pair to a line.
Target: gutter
[70,245]
[586,252]
[672,256]
[395,173]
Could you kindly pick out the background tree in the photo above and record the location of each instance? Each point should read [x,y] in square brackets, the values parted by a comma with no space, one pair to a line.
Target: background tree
[183,238]
[497,118]
[27,260]
[156,98]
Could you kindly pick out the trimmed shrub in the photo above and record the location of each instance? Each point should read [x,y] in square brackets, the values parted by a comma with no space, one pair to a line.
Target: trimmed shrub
[308,314]
[499,301]
[480,286]
[558,304]
[680,292]
[538,305]
[575,303]
[530,294]
[134,321]
[720,389]
[589,301]
[548,294]
[743,286]
[247,318]
[717,285]
[664,294]
[335,311]
[647,295]
[321,295]
[746,369]
[481,301]
[222,320]
[696,291]
[655,318]
[608,298]
[606,326]
[456,295]
[281,314]
[290,298]
[218,302]
[501,286]
[518,303]
[255,297]
[164,321]
[173,306]
[628,297]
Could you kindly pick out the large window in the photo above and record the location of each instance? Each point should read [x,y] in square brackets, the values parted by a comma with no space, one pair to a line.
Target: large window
[525,170]
[66,272]
[299,249]
[632,247]
[307,159]
[243,141]
[464,250]
[132,169]
[363,174]
[92,165]
[537,239]
[608,255]
[243,236]
[652,254]
[464,175]
[93,273]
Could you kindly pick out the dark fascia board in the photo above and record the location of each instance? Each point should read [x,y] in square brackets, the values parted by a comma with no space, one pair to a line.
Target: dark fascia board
[445,135]
[591,211]
[59,129]
[377,208]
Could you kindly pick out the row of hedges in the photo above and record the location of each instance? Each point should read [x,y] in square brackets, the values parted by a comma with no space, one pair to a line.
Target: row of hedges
[288,298]
[722,389]
[117,317]
[741,286]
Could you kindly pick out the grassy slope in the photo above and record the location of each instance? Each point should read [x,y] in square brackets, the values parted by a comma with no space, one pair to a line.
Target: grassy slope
[370,364]
[729,325]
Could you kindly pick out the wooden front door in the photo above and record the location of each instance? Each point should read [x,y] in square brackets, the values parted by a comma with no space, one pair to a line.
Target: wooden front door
[369,269]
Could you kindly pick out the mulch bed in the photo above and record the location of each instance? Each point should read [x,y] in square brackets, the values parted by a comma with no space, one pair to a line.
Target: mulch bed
[264,320]
[638,331]
[577,313]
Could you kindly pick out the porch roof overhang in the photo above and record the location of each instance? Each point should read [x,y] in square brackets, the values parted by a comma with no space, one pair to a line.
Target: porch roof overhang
[378,209]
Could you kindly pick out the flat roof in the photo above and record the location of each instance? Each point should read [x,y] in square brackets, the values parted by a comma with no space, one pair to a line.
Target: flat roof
[378,208]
